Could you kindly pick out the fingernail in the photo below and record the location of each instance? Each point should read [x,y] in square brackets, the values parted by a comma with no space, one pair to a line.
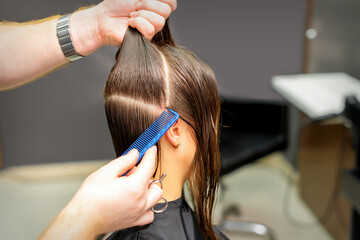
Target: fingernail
[133,14]
[138,5]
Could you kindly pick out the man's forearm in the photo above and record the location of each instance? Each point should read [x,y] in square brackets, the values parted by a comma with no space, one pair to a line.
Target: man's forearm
[28,51]
[31,50]
[70,224]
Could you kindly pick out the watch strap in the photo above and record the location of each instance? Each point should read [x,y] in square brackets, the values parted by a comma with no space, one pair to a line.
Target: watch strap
[64,37]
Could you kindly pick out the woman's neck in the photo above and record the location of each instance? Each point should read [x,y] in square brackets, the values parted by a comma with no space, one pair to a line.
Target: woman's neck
[176,162]
[172,183]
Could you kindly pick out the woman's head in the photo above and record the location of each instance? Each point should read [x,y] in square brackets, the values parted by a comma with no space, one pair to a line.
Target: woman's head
[150,77]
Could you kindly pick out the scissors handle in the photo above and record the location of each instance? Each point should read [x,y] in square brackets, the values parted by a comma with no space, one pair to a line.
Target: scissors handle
[165,201]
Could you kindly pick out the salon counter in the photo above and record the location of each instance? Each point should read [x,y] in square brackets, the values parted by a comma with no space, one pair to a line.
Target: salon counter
[324,155]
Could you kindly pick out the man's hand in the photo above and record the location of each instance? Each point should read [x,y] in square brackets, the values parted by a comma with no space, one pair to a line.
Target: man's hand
[31,50]
[148,16]
[106,23]
[106,201]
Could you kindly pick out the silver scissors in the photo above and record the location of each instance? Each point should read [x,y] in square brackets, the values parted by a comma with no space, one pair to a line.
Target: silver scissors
[163,199]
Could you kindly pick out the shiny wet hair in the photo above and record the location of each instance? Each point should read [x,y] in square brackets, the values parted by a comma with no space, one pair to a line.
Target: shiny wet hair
[151,76]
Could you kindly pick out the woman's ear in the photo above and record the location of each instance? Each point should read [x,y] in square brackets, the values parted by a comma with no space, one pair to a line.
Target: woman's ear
[174,133]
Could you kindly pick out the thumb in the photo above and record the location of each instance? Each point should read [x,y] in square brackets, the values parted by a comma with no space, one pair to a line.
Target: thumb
[124,163]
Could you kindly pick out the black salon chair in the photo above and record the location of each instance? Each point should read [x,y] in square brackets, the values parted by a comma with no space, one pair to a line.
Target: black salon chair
[351,178]
[251,129]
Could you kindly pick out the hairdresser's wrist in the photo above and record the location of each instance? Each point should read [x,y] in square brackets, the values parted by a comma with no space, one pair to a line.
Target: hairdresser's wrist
[70,223]
[85,31]
[80,224]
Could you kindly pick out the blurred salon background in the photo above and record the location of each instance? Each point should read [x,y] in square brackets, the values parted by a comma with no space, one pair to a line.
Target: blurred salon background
[290,164]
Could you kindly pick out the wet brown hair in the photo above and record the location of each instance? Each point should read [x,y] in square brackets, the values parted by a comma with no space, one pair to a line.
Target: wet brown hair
[151,76]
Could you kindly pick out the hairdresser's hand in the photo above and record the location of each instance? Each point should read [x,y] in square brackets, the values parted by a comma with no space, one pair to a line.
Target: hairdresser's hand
[107,202]
[31,50]
[107,22]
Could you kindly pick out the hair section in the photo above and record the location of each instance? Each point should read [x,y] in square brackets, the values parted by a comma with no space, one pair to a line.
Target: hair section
[149,77]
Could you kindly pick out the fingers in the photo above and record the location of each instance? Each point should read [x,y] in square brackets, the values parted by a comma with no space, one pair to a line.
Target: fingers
[123,164]
[150,15]
[155,19]
[158,7]
[154,195]
[144,26]
[146,168]
[171,3]
[145,218]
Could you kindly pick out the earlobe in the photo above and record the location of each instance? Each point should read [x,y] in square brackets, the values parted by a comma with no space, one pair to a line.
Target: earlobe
[173,134]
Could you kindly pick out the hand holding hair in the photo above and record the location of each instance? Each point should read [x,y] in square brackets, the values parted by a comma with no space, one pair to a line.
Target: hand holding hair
[35,46]
[111,19]
[107,202]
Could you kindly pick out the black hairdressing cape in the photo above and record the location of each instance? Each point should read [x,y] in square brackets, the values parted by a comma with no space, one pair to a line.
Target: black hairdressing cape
[176,223]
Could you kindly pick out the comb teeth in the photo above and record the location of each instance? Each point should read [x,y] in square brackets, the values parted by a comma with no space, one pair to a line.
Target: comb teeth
[154,132]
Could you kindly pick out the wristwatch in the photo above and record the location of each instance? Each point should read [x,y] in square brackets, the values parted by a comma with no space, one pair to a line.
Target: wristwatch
[64,37]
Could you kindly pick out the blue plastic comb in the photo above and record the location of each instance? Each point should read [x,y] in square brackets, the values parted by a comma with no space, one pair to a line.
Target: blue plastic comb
[153,133]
